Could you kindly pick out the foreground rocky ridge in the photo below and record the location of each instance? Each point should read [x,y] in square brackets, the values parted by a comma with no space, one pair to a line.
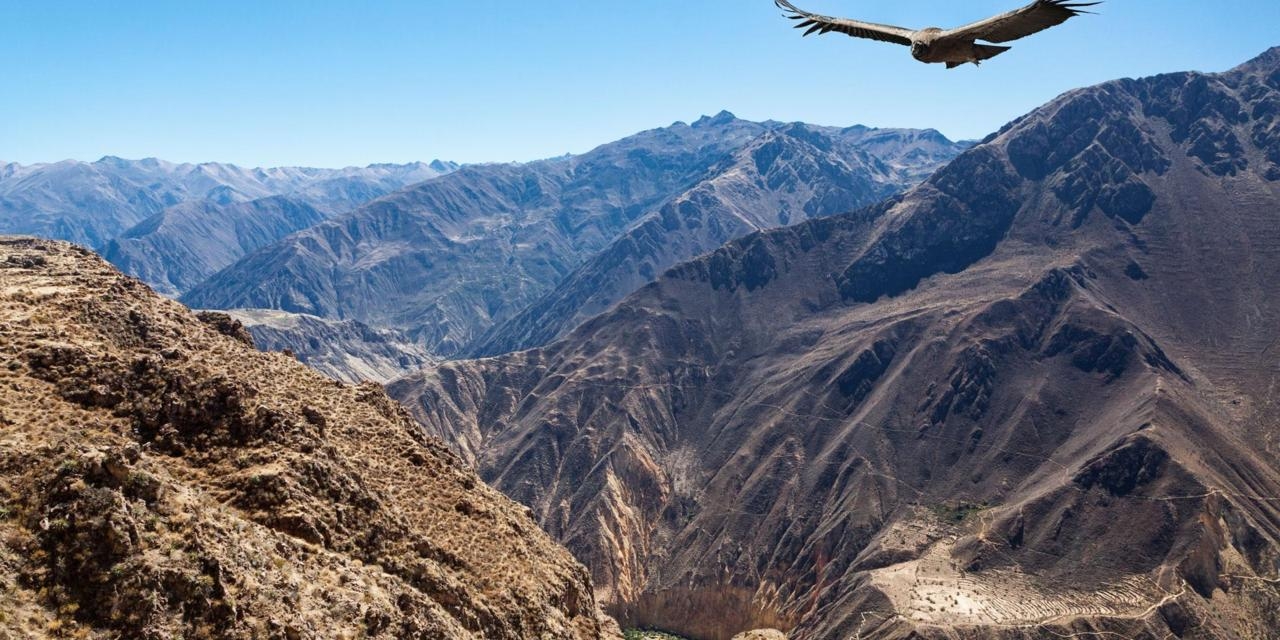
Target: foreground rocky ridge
[159,478]
[1032,398]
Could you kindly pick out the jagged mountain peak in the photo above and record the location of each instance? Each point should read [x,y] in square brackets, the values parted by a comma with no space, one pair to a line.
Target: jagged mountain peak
[801,131]
[443,167]
[1095,149]
[720,119]
[1267,61]
[114,161]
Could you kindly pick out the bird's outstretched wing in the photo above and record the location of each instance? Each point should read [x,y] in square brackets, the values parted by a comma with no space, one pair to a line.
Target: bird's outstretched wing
[822,24]
[1020,23]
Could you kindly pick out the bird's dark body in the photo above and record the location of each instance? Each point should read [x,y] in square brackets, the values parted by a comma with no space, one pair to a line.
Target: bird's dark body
[928,47]
[952,47]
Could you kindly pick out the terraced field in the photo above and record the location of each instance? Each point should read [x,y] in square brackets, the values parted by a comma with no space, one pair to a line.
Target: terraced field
[933,590]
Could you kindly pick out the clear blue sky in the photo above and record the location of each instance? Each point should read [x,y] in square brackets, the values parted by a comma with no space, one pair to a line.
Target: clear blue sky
[272,82]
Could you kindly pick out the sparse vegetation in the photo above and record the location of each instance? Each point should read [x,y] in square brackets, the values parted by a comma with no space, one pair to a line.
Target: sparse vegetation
[194,496]
[958,513]
[648,634]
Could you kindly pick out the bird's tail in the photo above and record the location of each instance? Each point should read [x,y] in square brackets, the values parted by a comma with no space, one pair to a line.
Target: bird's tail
[981,52]
[988,51]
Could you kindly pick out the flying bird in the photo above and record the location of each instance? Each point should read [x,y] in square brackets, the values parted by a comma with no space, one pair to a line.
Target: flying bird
[951,46]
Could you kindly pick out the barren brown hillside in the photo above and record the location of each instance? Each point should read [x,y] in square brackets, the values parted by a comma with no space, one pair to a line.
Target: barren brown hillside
[1034,397]
[161,479]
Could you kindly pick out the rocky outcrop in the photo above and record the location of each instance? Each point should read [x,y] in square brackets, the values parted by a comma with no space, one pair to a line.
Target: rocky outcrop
[159,478]
[1030,398]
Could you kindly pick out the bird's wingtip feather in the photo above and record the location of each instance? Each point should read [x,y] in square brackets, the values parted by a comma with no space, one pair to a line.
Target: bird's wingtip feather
[1075,8]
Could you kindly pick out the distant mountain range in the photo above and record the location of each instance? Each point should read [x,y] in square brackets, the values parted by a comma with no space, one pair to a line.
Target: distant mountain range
[451,261]
[183,245]
[787,175]
[93,202]
[1033,397]
[446,260]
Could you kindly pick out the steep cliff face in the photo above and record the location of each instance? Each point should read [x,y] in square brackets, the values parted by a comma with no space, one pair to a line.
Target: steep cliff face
[159,478]
[446,260]
[1031,398]
[788,175]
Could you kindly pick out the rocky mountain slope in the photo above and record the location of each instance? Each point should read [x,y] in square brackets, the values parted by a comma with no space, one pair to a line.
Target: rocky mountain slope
[92,202]
[445,260]
[345,350]
[787,175]
[1034,397]
[159,478]
[183,245]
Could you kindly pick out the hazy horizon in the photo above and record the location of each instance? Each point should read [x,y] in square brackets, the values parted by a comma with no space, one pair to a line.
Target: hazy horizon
[331,85]
[687,121]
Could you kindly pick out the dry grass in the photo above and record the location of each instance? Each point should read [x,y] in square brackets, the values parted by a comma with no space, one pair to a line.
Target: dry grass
[161,479]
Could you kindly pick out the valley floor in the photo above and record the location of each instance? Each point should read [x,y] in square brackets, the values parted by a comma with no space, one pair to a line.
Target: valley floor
[637,634]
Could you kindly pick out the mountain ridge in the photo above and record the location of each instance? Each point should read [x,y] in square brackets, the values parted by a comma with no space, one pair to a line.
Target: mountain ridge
[92,202]
[793,172]
[344,350]
[535,206]
[183,245]
[541,220]
[924,419]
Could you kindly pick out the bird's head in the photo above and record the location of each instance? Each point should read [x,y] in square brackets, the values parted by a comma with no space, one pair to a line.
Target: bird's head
[922,41]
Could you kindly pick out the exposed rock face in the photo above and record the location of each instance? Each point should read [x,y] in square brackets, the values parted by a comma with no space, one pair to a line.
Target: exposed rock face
[787,175]
[226,325]
[445,260]
[182,246]
[342,349]
[1032,398]
[159,479]
[92,202]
